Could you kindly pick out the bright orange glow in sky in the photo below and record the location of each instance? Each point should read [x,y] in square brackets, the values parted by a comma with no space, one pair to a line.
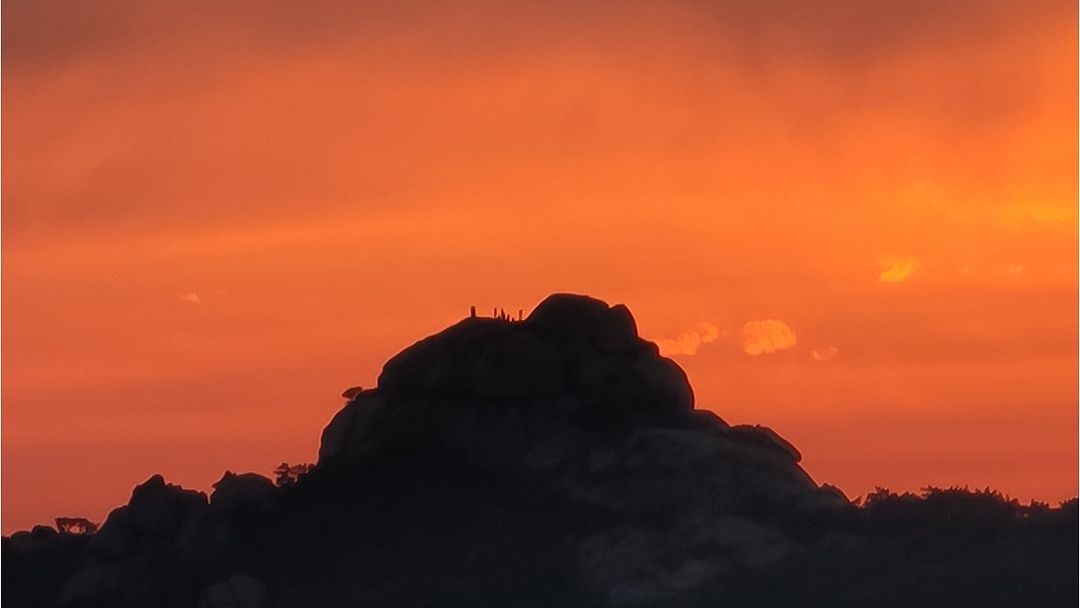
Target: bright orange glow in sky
[854,222]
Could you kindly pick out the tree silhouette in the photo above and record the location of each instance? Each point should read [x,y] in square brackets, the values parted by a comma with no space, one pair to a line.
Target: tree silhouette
[288,474]
[77,526]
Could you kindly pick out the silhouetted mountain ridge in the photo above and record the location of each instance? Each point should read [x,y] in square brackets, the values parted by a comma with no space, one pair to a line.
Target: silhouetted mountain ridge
[554,460]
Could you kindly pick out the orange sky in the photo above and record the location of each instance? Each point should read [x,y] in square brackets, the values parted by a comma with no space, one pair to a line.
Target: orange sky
[215,219]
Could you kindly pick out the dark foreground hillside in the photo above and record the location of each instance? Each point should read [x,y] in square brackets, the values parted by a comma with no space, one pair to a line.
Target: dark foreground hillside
[555,461]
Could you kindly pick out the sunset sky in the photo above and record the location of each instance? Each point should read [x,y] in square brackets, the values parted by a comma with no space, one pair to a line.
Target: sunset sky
[854,222]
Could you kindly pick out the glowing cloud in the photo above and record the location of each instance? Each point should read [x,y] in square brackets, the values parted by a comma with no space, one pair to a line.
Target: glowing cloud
[190,297]
[766,337]
[689,342]
[824,354]
[898,270]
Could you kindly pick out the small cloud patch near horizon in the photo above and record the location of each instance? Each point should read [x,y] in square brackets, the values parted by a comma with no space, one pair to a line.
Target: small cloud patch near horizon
[201,297]
[898,270]
[766,336]
[689,342]
[824,354]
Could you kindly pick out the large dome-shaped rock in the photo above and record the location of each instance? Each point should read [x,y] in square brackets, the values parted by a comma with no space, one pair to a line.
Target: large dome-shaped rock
[159,508]
[491,359]
[244,492]
[498,389]
[350,430]
[570,318]
[573,399]
[569,345]
[154,515]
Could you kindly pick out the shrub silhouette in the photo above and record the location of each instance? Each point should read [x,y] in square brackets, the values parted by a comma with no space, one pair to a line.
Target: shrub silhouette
[287,474]
[75,525]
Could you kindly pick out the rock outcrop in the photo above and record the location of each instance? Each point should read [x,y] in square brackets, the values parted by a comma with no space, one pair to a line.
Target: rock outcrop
[573,398]
[551,460]
[573,359]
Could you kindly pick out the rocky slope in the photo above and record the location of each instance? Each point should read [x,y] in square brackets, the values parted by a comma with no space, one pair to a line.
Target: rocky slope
[556,460]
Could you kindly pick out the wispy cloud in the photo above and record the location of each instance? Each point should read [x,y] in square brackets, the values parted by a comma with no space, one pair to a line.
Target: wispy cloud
[201,297]
[897,269]
[689,342]
[766,336]
[824,354]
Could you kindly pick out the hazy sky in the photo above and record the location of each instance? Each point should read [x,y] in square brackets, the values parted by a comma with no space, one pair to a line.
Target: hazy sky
[855,222]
